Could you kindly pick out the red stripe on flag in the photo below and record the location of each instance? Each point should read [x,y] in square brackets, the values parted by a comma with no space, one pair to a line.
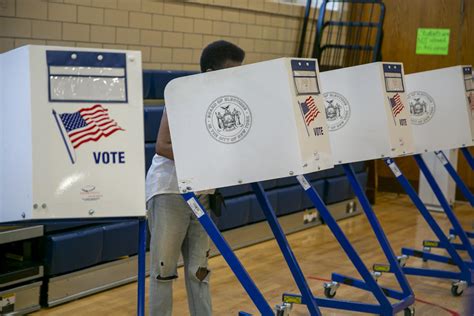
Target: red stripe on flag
[95,139]
[93,131]
[91,108]
[313,110]
[98,121]
[92,113]
[397,107]
[96,116]
[89,127]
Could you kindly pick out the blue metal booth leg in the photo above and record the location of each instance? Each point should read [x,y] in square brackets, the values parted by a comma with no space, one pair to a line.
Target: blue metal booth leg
[228,254]
[445,204]
[452,172]
[468,156]
[141,266]
[368,283]
[286,249]
[469,234]
[377,228]
[455,258]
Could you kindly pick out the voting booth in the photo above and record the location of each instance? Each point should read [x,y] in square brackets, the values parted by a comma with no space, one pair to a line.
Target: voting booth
[368,119]
[72,131]
[243,125]
[246,124]
[440,110]
[442,121]
[266,121]
[367,112]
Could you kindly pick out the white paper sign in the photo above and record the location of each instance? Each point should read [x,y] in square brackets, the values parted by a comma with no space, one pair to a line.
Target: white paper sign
[302,180]
[441,157]
[393,166]
[197,210]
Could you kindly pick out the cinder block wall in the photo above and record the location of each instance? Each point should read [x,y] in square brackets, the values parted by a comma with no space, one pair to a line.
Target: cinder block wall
[170,34]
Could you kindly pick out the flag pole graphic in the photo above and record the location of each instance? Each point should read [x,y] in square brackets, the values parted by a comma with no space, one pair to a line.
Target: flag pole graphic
[63,137]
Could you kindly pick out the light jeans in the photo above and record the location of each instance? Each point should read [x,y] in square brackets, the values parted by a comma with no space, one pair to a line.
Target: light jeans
[174,228]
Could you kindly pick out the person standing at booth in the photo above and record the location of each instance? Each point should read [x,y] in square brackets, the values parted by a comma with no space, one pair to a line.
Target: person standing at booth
[173,226]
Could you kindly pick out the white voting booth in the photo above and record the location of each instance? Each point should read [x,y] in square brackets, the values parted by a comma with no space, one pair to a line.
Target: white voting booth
[72,131]
[266,121]
[243,125]
[442,119]
[253,123]
[367,112]
[368,119]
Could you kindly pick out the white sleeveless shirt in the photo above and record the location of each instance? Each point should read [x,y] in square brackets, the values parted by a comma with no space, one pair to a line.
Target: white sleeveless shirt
[161,178]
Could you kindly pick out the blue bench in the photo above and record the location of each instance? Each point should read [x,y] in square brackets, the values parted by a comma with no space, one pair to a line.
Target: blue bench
[76,248]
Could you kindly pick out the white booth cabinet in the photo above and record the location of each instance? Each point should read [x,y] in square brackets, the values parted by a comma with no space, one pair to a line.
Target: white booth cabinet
[440,109]
[367,112]
[441,105]
[71,133]
[250,123]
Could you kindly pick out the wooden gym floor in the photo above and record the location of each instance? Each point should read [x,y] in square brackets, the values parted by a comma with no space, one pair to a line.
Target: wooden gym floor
[318,254]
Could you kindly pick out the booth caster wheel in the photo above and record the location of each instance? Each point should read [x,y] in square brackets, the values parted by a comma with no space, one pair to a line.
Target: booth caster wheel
[330,289]
[402,260]
[457,288]
[426,249]
[376,275]
[329,293]
[409,311]
[284,309]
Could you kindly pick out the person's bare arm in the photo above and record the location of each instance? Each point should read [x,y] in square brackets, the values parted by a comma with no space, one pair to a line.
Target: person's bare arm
[163,140]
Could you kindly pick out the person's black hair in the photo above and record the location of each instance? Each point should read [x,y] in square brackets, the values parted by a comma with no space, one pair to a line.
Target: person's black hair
[215,55]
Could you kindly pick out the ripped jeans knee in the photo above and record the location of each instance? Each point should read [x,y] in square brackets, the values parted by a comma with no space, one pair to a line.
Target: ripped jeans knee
[202,274]
[161,278]
[166,273]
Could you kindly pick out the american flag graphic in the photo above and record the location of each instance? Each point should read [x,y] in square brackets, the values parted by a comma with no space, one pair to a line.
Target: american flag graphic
[310,110]
[397,105]
[88,124]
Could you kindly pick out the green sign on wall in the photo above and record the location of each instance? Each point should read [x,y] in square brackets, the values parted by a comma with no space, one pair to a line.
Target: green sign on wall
[432,41]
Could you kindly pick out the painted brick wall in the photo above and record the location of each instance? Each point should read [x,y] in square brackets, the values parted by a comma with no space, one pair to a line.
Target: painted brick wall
[170,34]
